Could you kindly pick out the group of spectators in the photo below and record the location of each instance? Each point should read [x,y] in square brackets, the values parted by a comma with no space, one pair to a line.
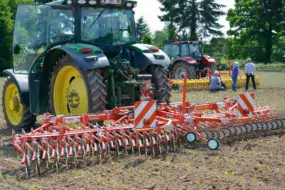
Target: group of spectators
[216,83]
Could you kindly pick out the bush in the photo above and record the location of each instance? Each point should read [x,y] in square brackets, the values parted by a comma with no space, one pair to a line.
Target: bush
[270,66]
[222,64]
[261,66]
[4,65]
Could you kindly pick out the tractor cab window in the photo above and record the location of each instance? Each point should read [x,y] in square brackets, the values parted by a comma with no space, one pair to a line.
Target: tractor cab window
[63,28]
[184,50]
[171,50]
[107,27]
[196,51]
[36,27]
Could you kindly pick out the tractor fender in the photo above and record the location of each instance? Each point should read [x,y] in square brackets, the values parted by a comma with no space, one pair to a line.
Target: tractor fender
[189,60]
[143,57]
[22,82]
[82,60]
[208,60]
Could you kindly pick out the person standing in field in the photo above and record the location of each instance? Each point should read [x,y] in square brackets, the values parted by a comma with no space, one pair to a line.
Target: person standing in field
[235,72]
[249,72]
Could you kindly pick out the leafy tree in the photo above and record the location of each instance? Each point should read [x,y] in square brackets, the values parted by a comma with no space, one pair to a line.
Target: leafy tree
[142,28]
[147,39]
[13,5]
[6,25]
[217,47]
[260,22]
[161,37]
[193,15]
[209,17]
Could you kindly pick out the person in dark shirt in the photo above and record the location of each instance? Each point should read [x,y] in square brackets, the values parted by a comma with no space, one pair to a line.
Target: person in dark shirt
[235,72]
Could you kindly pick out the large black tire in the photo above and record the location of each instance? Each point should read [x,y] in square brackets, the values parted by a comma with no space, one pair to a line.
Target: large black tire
[27,119]
[93,84]
[182,68]
[161,83]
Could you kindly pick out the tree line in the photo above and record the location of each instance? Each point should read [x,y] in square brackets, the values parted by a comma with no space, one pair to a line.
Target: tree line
[257,27]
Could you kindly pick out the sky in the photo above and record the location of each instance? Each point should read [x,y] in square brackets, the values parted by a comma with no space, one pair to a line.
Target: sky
[149,9]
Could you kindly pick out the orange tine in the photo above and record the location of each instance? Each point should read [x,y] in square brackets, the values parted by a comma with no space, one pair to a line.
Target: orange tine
[40,147]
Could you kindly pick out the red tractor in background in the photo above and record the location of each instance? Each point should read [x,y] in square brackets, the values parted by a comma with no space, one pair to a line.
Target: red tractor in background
[187,58]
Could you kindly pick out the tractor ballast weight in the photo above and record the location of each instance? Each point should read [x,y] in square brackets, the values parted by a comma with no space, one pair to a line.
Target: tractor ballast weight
[78,57]
[148,127]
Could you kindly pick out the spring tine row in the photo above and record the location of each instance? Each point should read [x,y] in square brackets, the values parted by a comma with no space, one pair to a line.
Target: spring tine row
[58,146]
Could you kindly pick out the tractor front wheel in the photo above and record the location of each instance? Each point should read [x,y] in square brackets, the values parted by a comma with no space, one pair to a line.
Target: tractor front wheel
[16,114]
[76,91]
[182,68]
[161,83]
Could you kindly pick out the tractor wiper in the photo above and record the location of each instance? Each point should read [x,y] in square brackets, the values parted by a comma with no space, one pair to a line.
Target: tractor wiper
[97,17]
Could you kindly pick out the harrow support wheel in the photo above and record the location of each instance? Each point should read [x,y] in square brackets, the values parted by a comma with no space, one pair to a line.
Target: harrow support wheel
[213,144]
[76,91]
[191,137]
[16,114]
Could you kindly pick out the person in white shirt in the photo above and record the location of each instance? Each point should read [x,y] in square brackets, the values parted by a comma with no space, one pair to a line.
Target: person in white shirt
[249,72]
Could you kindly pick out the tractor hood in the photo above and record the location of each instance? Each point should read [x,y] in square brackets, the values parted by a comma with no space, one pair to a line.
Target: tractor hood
[208,60]
[145,55]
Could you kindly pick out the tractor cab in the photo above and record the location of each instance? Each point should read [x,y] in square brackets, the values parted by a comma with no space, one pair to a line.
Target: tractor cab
[76,57]
[185,49]
[187,58]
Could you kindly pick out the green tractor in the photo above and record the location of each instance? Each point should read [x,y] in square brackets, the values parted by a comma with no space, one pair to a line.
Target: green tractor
[78,56]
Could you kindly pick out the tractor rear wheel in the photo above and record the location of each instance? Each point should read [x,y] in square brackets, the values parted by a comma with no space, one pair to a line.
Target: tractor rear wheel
[182,68]
[16,114]
[76,91]
[161,83]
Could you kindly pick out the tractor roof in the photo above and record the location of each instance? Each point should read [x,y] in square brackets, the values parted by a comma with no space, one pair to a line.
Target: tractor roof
[187,42]
[95,3]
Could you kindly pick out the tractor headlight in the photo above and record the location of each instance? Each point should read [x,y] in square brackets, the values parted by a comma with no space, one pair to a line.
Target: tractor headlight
[69,2]
[81,1]
[91,58]
[129,4]
[92,2]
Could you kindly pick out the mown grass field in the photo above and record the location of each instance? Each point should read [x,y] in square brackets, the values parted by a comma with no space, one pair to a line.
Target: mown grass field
[240,164]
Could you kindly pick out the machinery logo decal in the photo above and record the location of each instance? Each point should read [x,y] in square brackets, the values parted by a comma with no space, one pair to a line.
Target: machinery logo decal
[145,113]
[246,105]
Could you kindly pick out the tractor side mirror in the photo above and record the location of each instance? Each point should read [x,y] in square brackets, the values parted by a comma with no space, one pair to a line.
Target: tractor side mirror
[16,49]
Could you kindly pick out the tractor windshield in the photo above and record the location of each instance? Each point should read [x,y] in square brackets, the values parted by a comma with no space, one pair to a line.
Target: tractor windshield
[196,51]
[107,27]
[171,50]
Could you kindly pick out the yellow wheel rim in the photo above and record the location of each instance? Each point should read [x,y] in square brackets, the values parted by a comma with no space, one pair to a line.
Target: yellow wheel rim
[70,92]
[13,106]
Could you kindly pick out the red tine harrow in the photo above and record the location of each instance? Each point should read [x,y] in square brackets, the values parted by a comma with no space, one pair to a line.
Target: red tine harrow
[146,128]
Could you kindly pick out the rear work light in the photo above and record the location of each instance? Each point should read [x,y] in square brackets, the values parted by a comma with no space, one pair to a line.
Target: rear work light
[86,50]
[154,49]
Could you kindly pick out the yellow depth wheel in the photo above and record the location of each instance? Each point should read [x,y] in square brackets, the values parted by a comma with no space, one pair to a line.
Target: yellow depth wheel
[70,92]
[76,91]
[14,108]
